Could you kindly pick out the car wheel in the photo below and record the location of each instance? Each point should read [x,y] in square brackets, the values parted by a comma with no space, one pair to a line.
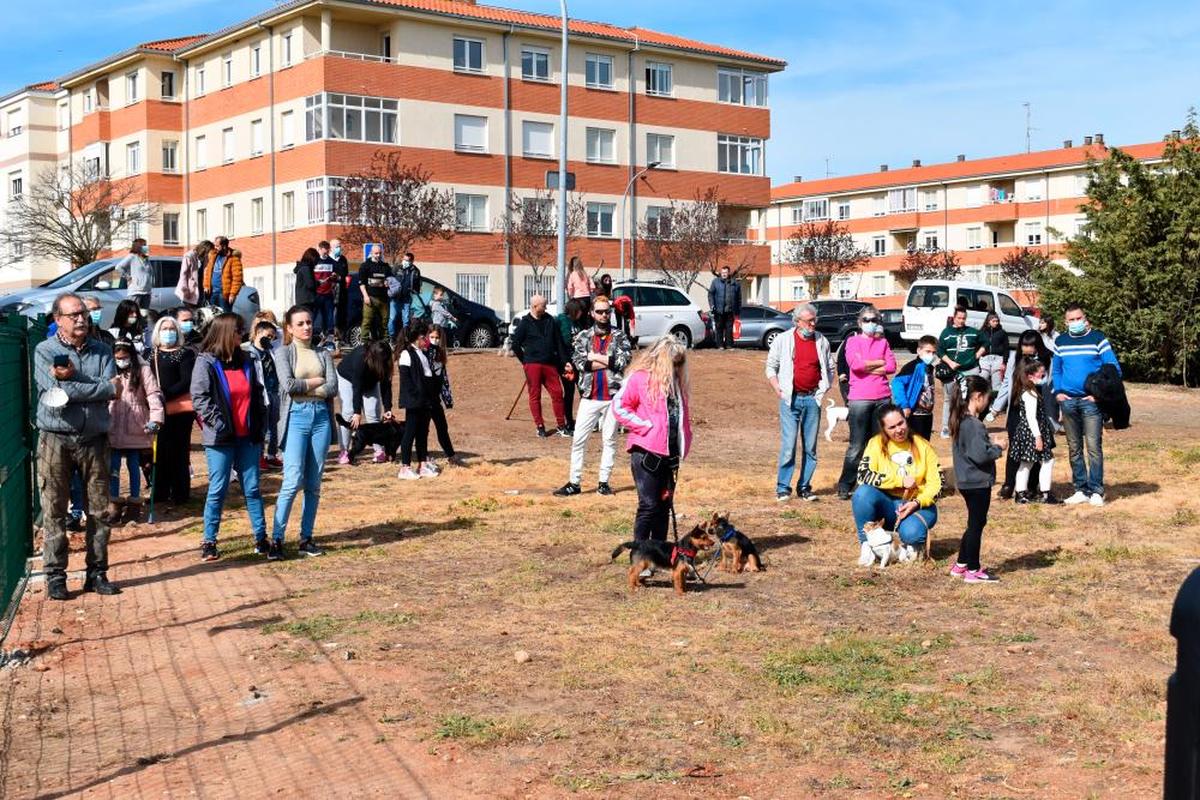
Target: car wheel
[683,336]
[481,337]
[769,338]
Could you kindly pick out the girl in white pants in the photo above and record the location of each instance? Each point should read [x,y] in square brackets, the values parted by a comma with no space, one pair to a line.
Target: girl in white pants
[1033,435]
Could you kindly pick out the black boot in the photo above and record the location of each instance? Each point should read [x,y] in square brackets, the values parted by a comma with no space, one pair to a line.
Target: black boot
[1006,492]
[1022,498]
[98,582]
[56,588]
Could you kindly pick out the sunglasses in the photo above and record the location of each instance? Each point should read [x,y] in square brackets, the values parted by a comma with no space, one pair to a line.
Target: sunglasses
[604,311]
[870,319]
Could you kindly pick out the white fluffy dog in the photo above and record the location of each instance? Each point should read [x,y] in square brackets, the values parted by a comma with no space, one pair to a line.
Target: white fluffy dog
[833,415]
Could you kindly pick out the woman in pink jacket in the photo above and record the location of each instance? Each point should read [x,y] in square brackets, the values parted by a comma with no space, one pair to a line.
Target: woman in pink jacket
[136,413]
[871,363]
[580,285]
[653,404]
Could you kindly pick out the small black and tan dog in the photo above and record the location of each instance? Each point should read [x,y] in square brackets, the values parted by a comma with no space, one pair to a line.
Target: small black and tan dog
[385,434]
[664,555]
[737,550]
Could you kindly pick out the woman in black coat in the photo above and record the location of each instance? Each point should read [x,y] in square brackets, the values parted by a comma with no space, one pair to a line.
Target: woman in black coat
[306,281]
[417,399]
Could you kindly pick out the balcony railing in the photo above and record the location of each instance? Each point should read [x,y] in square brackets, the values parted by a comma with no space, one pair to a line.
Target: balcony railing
[351,55]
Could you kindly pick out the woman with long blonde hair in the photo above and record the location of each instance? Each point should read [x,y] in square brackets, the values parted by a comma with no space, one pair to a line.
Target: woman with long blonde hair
[580,285]
[653,405]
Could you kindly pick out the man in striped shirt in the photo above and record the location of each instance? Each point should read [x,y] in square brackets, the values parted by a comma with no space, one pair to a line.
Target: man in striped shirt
[1082,350]
[600,355]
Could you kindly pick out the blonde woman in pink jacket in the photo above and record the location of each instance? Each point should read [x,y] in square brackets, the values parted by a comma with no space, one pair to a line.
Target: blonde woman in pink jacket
[135,413]
[653,405]
[580,285]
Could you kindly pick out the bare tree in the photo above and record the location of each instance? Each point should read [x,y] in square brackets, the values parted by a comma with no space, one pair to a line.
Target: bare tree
[391,203]
[922,263]
[1021,269]
[530,227]
[685,239]
[75,215]
[821,251]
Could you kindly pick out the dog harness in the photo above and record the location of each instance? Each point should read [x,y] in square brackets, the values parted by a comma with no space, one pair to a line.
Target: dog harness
[678,552]
[729,533]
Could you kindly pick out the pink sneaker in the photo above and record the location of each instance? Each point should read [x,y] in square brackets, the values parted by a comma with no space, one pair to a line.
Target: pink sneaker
[958,571]
[979,576]
[380,458]
[343,458]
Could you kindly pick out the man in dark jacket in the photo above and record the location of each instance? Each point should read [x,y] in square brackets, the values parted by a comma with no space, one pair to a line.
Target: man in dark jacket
[332,252]
[537,343]
[725,302]
[407,283]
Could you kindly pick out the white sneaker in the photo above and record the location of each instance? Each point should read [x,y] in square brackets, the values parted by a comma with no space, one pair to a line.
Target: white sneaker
[428,471]
[866,557]
[1096,499]
[1077,499]
[408,474]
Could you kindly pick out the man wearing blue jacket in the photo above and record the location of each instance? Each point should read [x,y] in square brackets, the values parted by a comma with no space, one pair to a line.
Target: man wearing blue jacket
[725,302]
[1082,350]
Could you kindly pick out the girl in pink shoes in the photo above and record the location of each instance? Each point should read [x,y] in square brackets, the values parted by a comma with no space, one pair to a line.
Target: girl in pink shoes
[975,457]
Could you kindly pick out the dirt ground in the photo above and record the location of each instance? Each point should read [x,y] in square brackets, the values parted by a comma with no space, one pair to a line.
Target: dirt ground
[388,667]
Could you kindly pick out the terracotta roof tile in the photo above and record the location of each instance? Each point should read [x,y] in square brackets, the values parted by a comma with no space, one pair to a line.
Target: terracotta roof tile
[45,86]
[171,45]
[957,170]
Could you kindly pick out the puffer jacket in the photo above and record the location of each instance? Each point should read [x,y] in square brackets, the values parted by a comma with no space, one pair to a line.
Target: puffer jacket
[133,410]
[231,273]
[645,415]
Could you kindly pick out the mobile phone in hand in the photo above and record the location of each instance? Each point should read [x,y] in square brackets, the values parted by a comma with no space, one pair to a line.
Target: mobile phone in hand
[62,361]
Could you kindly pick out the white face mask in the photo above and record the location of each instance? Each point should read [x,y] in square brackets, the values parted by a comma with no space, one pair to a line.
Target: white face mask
[123,363]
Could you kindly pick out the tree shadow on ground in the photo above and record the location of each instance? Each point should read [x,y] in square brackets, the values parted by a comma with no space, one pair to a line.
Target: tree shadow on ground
[942,548]
[1130,489]
[779,542]
[512,462]
[176,624]
[1038,559]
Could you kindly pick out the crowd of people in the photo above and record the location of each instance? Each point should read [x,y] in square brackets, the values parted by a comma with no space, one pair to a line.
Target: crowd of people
[1047,385]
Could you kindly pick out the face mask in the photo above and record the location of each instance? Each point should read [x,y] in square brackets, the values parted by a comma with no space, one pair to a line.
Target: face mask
[187,326]
[170,337]
[434,342]
[1077,327]
[265,343]
[408,262]
[337,252]
[131,319]
[928,358]
[805,333]
[145,249]
[871,328]
[95,315]
[1039,381]
[123,363]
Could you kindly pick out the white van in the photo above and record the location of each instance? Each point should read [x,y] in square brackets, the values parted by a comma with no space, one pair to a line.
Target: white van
[931,303]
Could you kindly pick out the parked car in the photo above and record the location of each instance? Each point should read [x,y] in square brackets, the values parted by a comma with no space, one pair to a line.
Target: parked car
[893,327]
[929,305]
[761,324]
[658,309]
[837,319]
[478,326]
[102,280]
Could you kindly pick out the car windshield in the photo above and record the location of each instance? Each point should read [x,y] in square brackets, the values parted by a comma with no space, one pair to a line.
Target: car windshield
[75,275]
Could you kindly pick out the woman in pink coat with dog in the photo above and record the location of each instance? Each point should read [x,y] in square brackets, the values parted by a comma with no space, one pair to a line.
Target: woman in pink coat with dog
[136,413]
[653,404]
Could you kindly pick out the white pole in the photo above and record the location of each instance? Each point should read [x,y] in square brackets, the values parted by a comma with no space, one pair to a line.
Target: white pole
[624,200]
[561,281]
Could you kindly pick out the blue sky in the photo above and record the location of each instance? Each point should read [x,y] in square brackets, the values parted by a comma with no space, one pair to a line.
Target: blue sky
[869,81]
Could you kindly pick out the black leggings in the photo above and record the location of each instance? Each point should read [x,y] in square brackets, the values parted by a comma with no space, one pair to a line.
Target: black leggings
[569,401]
[978,501]
[655,491]
[416,429]
[438,416]
[172,481]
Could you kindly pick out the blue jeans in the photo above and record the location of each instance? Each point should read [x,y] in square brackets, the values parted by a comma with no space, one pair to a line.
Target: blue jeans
[324,318]
[273,424]
[133,461]
[308,435]
[862,427]
[401,313]
[802,416]
[1084,428]
[871,505]
[222,461]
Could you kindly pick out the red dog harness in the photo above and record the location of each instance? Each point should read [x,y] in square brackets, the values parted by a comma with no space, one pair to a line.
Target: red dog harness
[678,552]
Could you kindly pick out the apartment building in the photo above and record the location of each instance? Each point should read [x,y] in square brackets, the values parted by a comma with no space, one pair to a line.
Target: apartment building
[247,132]
[982,209]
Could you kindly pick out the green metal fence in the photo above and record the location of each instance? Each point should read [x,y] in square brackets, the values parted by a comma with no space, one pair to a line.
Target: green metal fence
[20,502]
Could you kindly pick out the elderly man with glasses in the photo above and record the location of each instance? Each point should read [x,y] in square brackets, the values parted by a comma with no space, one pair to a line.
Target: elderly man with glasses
[871,364]
[800,370]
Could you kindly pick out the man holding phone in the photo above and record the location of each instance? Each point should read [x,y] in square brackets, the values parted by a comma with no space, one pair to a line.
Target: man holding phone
[76,378]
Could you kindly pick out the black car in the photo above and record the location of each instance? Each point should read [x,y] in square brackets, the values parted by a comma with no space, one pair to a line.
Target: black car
[478,325]
[837,319]
[893,326]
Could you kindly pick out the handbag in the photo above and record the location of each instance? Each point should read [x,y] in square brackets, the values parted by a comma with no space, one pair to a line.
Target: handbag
[176,405]
[943,372]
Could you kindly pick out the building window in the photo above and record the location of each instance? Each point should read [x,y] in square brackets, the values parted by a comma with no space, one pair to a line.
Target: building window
[64,117]
[843,211]
[601,145]
[1082,181]
[974,238]
[16,185]
[200,81]
[741,87]
[87,102]
[285,50]
[227,69]
[92,167]
[902,200]
[1081,226]
[816,209]
[287,210]
[1033,189]
[660,147]
[600,219]
[742,155]
[131,88]
[797,214]
[974,196]
[227,146]
[535,63]
[256,61]
[598,71]
[537,139]
[472,287]
[14,123]
[878,206]
[470,133]
[658,79]
[385,46]
[351,117]
[170,157]
[472,211]
[18,249]
[135,231]
[543,286]
[201,223]
[256,215]
[991,276]
[878,246]
[287,130]
[929,200]
[256,137]
[658,221]
[929,242]
[167,82]
[1033,234]
[320,196]
[170,230]
[468,55]
[879,285]
[227,220]
[201,152]
[799,290]
[133,158]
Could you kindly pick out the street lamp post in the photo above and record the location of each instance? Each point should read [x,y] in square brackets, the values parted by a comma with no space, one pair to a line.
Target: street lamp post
[561,288]
[624,200]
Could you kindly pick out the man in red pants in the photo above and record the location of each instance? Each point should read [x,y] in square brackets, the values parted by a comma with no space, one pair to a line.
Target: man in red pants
[537,343]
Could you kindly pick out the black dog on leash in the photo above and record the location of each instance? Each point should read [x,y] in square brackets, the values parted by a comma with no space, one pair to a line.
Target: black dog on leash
[385,434]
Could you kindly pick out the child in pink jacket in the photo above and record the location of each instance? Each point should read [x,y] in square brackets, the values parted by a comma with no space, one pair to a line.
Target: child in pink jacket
[136,413]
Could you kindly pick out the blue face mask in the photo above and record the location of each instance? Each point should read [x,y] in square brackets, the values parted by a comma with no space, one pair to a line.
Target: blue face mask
[145,249]
[1078,327]
[928,358]
[805,333]
[95,315]
[187,326]
[337,252]
[170,337]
